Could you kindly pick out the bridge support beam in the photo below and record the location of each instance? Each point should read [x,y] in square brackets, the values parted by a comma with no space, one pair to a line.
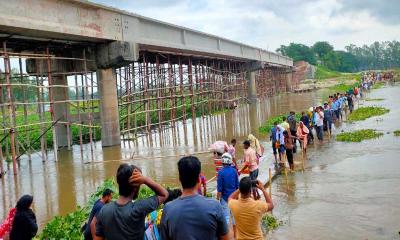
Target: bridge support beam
[252,90]
[61,109]
[289,81]
[109,116]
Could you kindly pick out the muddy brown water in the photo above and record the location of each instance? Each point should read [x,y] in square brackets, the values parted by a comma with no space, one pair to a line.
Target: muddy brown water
[346,191]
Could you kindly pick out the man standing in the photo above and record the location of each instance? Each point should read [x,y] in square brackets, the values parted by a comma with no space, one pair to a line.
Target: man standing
[90,230]
[250,160]
[227,183]
[293,128]
[247,211]
[272,138]
[350,102]
[280,141]
[124,219]
[192,216]
[320,123]
[328,118]
[232,152]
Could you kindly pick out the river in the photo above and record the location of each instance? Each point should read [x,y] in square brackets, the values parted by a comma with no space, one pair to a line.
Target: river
[347,190]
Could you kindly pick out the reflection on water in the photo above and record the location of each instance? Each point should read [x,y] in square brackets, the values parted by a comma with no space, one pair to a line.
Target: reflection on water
[59,187]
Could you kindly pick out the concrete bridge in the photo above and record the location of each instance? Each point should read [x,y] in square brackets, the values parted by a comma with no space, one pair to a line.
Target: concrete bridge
[125,59]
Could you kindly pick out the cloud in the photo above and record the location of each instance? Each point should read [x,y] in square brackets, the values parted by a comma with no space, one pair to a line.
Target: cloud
[270,23]
[387,11]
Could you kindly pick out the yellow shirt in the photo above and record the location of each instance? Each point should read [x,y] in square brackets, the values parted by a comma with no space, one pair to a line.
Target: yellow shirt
[285,125]
[248,214]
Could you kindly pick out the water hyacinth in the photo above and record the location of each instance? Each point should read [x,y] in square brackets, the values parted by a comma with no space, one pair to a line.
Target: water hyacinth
[358,136]
[363,113]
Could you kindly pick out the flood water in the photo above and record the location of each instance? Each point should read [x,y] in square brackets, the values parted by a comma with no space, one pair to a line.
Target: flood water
[346,191]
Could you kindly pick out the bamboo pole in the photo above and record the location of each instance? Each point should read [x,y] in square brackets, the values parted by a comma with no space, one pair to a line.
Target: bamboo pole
[158,85]
[91,108]
[39,92]
[78,110]
[11,110]
[190,72]
[183,99]
[270,182]
[49,78]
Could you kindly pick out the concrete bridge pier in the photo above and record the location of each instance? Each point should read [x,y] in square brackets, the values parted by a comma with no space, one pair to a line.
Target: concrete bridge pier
[289,81]
[251,87]
[108,57]
[110,129]
[61,107]
[59,93]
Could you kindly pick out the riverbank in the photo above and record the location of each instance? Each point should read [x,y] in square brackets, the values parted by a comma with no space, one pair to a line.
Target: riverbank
[348,190]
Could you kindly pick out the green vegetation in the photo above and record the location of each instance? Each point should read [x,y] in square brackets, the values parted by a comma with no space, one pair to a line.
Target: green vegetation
[358,136]
[397,133]
[374,99]
[378,85]
[270,222]
[269,124]
[69,226]
[363,113]
[324,73]
[379,55]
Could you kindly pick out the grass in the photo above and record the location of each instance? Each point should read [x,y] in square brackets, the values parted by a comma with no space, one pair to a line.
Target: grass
[374,99]
[378,85]
[269,124]
[358,136]
[363,113]
[325,73]
[397,133]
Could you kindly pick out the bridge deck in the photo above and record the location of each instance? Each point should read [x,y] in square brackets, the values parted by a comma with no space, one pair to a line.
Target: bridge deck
[78,20]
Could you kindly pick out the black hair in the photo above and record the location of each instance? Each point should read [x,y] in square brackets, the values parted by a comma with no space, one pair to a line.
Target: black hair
[245,185]
[233,141]
[173,194]
[275,123]
[107,192]
[246,142]
[24,203]
[124,172]
[283,118]
[189,170]
[285,132]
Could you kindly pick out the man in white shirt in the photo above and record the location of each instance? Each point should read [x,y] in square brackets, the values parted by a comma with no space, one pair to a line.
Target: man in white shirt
[320,123]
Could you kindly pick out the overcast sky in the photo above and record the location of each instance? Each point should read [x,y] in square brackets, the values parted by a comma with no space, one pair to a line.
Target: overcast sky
[270,23]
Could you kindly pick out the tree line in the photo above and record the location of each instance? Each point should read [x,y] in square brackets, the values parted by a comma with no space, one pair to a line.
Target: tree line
[379,55]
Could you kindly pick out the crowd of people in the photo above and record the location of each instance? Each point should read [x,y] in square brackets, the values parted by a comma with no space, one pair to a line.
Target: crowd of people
[188,213]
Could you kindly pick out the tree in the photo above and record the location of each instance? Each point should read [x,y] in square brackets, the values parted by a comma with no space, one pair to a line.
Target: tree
[298,52]
[322,48]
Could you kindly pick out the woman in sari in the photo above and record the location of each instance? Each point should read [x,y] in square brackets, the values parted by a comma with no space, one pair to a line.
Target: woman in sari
[302,133]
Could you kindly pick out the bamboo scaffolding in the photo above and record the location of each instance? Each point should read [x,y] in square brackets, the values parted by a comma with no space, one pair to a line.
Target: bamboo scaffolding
[11,109]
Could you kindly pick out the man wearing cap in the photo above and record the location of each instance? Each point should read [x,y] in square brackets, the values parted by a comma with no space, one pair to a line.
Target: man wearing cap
[227,183]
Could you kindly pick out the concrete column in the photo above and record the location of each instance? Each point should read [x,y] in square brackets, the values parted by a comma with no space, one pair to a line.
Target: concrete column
[275,79]
[60,109]
[109,116]
[289,82]
[251,86]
